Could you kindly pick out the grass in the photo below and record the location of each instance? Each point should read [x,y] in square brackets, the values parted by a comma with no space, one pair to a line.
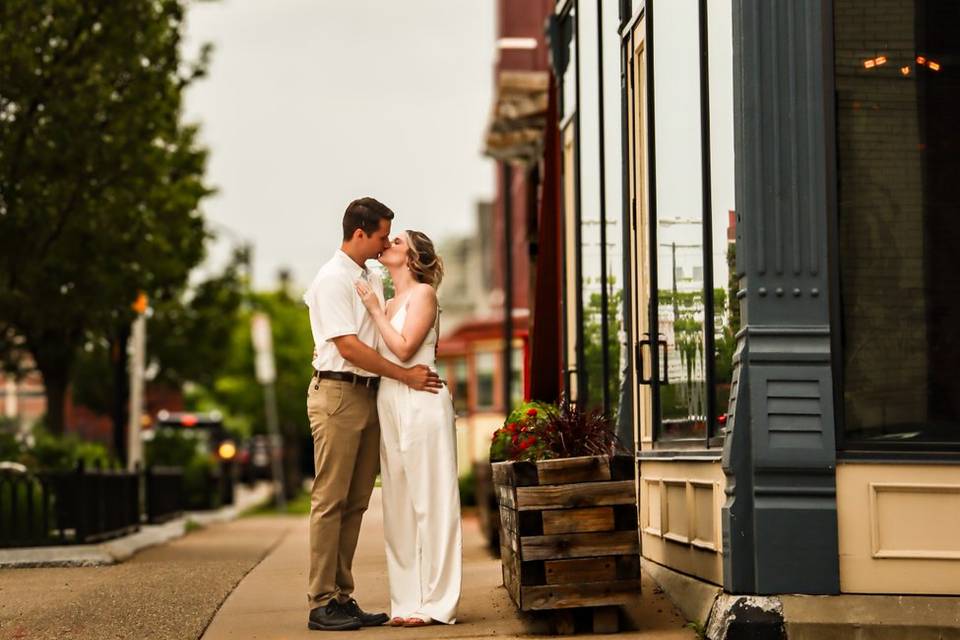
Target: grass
[698,629]
[191,526]
[298,506]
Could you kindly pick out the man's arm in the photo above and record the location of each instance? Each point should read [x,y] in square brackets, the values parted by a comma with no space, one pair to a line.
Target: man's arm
[418,377]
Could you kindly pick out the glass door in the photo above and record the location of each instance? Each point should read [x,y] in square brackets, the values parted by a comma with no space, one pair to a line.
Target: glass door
[677,220]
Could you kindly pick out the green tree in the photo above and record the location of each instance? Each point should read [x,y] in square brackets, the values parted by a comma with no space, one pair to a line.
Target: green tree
[188,342]
[100,181]
[236,392]
[593,346]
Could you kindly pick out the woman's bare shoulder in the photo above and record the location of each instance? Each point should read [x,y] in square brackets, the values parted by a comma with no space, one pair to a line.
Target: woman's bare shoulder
[423,294]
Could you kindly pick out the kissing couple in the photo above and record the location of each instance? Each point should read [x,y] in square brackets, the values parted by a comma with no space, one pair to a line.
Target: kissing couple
[375,403]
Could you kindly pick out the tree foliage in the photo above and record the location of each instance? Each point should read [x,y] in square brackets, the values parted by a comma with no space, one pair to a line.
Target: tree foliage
[235,390]
[188,341]
[100,180]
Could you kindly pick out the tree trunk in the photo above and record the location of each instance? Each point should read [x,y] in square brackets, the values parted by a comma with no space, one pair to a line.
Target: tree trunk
[55,381]
[54,354]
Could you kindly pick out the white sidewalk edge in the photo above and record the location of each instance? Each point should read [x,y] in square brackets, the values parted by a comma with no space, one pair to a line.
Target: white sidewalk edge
[119,549]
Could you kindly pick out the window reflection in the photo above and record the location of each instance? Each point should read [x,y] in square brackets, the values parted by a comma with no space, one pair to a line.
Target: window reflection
[898,93]
[726,308]
[679,222]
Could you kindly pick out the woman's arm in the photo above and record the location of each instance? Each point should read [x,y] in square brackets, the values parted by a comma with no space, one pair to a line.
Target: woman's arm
[421,314]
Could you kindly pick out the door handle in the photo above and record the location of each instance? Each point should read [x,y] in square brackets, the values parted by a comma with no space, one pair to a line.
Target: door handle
[666,375]
[638,357]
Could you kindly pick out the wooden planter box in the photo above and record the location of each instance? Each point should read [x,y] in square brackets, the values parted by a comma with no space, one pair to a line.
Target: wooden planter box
[568,532]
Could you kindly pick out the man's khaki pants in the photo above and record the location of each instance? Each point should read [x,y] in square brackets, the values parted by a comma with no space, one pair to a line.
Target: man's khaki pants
[346,453]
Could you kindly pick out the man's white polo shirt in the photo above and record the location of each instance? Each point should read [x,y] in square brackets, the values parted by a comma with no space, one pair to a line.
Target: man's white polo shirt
[336,310]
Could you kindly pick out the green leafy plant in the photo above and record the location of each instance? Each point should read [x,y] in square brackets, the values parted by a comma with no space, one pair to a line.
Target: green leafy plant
[61,453]
[468,490]
[171,448]
[537,431]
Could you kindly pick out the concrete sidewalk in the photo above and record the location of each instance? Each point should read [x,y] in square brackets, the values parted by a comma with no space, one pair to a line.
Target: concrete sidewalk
[270,602]
[168,592]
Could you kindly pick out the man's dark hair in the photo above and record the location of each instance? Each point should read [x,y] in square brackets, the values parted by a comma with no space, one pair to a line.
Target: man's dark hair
[366,214]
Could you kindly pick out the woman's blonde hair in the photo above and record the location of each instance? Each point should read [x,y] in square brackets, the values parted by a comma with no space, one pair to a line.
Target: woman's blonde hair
[422,259]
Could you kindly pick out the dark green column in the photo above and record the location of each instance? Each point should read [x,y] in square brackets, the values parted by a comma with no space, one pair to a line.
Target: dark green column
[780,515]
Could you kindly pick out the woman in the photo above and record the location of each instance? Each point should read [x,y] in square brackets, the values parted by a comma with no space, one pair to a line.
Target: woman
[418,466]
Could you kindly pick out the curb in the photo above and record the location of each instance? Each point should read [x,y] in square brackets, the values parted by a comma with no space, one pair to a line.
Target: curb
[120,549]
[724,616]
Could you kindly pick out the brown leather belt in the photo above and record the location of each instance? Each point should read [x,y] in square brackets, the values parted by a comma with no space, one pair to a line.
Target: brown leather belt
[370,382]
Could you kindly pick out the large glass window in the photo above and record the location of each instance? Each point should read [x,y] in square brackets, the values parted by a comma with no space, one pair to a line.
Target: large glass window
[591,249]
[726,308]
[898,149]
[679,222]
[686,305]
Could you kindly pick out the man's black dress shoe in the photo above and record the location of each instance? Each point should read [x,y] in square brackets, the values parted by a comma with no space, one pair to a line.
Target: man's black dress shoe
[331,617]
[350,607]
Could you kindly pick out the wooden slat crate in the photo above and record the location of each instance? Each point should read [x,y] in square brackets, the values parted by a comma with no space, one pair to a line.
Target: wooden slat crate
[568,532]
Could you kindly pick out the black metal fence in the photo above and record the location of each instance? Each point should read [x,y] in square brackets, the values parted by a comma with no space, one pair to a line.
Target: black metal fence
[92,504]
[163,493]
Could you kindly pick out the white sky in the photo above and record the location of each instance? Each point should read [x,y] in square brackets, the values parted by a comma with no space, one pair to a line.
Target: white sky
[312,103]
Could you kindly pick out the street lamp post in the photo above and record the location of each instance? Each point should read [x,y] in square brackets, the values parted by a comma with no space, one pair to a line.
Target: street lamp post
[138,358]
[266,372]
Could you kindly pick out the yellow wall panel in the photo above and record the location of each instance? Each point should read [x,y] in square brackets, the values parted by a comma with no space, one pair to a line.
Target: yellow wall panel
[899,528]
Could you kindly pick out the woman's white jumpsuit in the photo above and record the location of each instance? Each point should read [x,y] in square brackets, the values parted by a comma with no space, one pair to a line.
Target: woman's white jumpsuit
[421,498]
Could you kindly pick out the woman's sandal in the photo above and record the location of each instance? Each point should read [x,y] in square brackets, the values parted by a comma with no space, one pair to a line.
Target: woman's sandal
[396,622]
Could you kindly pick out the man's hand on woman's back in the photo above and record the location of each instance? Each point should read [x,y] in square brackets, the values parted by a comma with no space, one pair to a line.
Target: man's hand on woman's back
[421,378]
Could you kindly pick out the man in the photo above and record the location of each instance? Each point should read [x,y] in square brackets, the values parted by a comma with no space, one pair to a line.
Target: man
[342,407]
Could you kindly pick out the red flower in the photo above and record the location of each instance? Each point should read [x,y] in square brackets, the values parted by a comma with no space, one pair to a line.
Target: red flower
[524,445]
[514,438]
[532,440]
[512,427]
[531,412]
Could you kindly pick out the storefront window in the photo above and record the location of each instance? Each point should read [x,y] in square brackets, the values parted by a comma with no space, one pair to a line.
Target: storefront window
[897,98]
[485,364]
[679,222]
[726,308]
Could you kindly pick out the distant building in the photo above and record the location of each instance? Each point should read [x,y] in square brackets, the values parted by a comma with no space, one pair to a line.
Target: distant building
[469,290]
[22,400]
